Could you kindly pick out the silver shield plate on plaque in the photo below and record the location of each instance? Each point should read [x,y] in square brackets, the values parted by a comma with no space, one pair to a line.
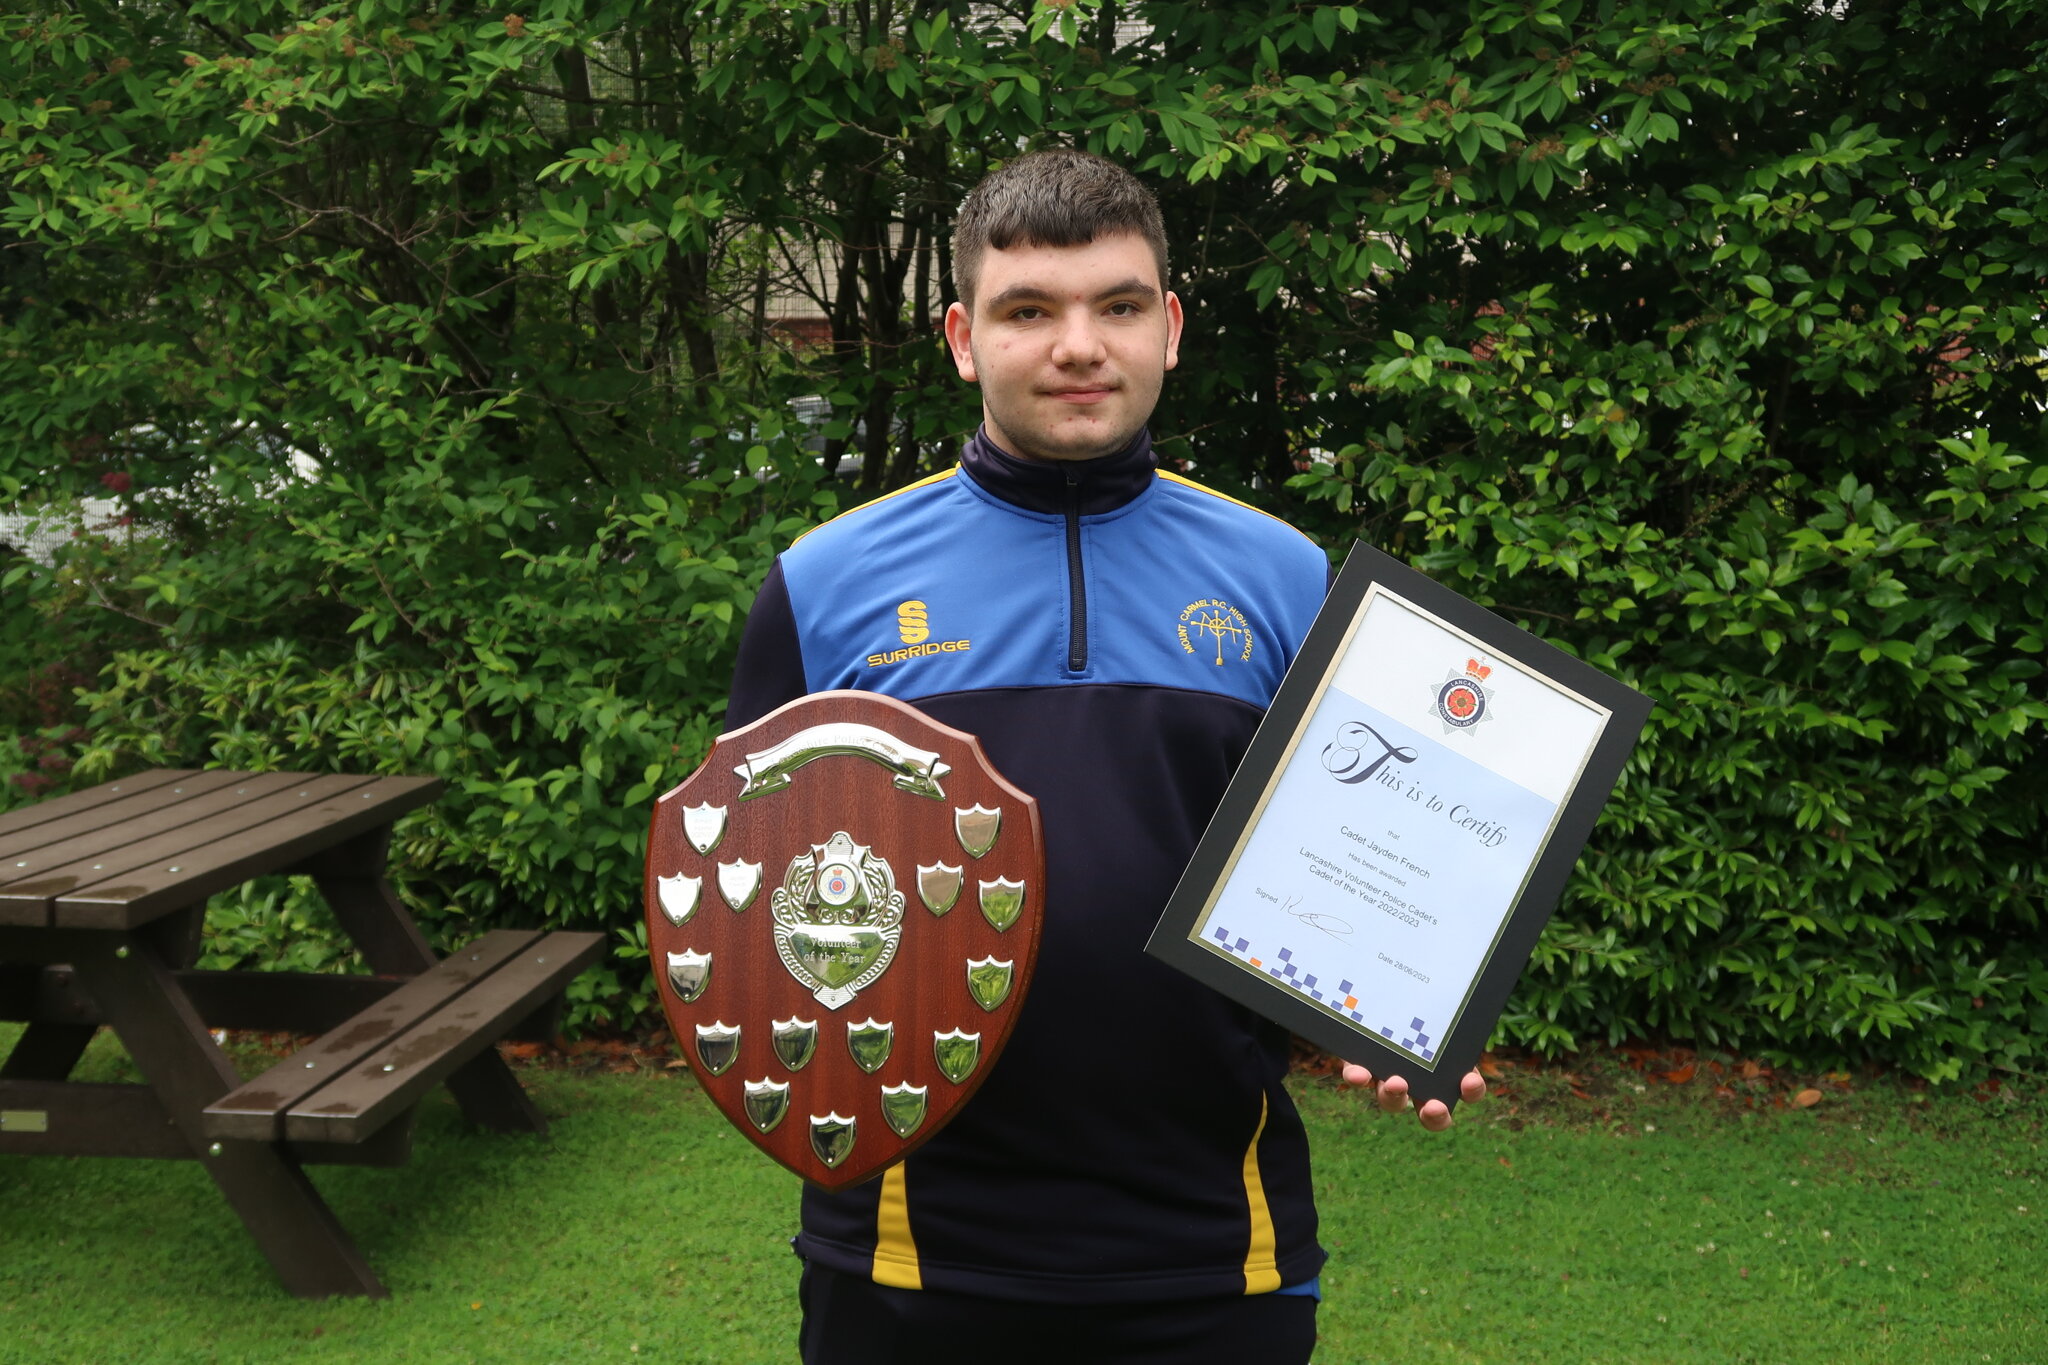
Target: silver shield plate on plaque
[717,1045]
[988,981]
[1002,900]
[870,1042]
[838,919]
[903,1107]
[765,1101]
[739,882]
[679,897]
[832,1137]
[939,886]
[704,826]
[957,1054]
[688,974]
[796,1041]
[977,827]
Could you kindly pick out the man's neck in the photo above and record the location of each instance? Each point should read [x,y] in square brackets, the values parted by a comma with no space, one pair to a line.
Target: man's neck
[1102,484]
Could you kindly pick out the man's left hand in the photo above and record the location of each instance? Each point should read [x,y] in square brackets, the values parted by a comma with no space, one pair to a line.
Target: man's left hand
[1393,1095]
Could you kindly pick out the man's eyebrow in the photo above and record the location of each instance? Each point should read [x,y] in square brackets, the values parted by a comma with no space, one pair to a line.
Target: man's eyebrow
[1029,292]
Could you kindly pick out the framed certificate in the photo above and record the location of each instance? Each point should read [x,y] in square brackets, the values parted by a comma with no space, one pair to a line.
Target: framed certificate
[1399,831]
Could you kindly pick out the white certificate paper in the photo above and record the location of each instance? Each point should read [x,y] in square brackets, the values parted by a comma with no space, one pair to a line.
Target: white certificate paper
[1392,844]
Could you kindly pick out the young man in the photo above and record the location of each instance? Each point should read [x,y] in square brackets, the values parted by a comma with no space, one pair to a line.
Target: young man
[1094,1201]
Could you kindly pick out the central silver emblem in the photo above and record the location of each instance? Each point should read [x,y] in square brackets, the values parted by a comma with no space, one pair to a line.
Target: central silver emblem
[838,919]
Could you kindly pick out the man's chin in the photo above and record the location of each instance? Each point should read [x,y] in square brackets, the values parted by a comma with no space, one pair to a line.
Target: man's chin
[1070,445]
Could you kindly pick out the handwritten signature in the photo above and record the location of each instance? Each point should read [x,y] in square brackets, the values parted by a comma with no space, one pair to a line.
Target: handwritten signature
[1332,925]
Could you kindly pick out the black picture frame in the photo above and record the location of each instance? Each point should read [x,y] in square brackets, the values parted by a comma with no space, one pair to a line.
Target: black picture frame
[1372,580]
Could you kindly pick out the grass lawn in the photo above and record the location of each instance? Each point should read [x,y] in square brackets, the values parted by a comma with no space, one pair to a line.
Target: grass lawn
[1668,1224]
[1633,1221]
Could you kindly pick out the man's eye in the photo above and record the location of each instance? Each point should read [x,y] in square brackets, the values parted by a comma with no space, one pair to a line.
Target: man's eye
[1028,314]
[1123,310]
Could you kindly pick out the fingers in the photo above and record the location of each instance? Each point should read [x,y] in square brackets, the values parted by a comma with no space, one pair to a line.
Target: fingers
[1392,1093]
[1393,1096]
[1436,1115]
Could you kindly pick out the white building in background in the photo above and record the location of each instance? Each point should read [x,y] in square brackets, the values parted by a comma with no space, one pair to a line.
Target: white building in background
[38,534]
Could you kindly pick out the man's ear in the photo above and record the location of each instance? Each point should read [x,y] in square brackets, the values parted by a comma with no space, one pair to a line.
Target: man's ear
[959,339]
[1173,325]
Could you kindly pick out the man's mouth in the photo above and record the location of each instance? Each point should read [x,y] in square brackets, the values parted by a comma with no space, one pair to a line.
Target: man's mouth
[1088,395]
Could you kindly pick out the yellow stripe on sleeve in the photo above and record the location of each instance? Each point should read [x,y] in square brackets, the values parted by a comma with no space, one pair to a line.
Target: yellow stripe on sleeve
[895,1251]
[924,482]
[1187,482]
[1261,1265]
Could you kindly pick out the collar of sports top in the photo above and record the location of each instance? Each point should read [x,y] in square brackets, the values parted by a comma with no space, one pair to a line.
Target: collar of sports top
[1089,487]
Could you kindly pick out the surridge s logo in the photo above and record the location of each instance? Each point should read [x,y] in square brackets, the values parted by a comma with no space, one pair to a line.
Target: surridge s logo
[913,627]
[910,622]
[1218,625]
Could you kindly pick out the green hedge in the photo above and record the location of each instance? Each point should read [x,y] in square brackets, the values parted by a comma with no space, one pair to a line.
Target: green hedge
[556,691]
[1706,341]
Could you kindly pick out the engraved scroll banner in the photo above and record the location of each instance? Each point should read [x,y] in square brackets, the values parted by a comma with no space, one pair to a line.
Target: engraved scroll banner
[797,895]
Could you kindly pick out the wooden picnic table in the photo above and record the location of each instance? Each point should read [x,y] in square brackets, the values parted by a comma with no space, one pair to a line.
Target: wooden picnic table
[102,899]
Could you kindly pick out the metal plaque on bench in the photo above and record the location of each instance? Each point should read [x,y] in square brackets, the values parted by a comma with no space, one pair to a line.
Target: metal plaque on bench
[843,909]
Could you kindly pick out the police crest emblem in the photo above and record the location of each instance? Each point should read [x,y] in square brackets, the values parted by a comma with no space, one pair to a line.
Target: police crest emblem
[849,1023]
[1462,700]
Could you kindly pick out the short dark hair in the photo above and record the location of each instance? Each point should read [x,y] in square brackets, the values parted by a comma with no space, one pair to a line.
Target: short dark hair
[1060,197]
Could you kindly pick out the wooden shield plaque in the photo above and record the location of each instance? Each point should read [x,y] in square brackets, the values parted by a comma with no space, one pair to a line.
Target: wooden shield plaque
[843,907]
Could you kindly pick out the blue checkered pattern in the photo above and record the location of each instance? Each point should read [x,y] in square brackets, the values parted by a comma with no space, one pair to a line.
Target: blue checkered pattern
[1342,1001]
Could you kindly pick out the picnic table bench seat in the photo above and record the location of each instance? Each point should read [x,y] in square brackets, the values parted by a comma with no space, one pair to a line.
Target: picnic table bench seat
[346,1085]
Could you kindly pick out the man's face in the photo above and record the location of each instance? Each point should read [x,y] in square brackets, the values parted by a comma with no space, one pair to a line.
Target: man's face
[1069,344]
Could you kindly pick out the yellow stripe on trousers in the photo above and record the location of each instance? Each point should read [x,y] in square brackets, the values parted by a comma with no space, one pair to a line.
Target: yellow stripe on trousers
[1261,1270]
[896,1261]
[895,1251]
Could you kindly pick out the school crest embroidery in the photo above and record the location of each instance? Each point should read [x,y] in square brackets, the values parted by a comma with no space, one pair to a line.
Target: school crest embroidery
[1212,626]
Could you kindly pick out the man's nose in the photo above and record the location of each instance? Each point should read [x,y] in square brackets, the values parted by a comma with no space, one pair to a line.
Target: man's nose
[1079,341]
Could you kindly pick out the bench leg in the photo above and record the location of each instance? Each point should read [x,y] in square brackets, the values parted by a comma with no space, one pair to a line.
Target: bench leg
[492,1097]
[297,1232]
[46,1051]
[370,912]
[49,1049]
[351,880]
[179,935]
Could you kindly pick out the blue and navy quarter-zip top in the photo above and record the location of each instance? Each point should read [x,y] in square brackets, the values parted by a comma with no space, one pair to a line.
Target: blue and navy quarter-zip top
[1112,634]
